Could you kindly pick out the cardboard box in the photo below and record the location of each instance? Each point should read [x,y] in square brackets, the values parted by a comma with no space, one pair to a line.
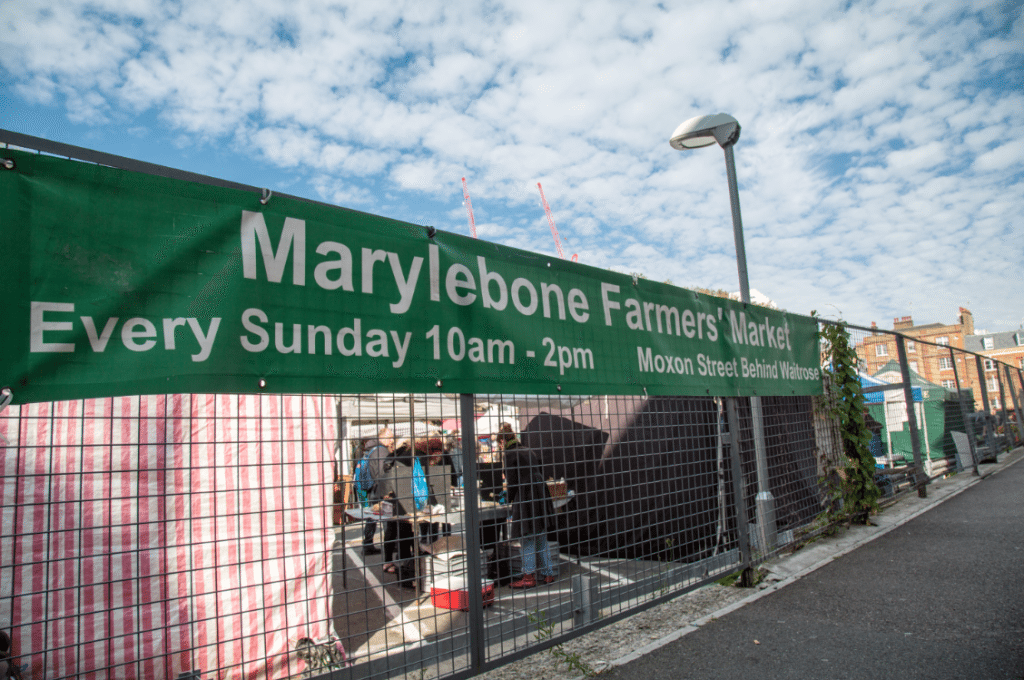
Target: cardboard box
[453,594]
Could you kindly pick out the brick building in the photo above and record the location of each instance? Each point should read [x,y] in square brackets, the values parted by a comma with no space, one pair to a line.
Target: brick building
[1006,347]
[931,363]
[935,364]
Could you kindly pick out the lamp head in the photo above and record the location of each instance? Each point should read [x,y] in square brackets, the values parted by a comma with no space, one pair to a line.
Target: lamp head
[706,130]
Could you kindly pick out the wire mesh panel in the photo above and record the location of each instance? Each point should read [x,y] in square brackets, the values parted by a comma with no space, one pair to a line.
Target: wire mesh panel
[586,510]
[146,537]
[636,511]
[786,469]
[401,573]
[238,536]
[897,426]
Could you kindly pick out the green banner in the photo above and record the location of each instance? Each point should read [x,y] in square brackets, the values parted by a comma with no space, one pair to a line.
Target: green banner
[117,282]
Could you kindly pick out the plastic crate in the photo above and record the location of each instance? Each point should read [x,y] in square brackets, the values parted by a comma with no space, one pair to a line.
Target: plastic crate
[454,595]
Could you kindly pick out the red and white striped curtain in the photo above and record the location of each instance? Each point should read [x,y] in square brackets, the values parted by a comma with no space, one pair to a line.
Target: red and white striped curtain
[141,537]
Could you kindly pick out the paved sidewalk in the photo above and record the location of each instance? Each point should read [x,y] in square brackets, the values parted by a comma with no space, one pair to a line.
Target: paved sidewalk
[936,590]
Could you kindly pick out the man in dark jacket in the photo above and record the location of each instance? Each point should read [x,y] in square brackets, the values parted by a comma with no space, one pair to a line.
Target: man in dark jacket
[532,509]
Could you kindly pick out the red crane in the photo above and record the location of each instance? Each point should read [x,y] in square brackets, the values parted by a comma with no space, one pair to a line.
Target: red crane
[551,221]
[469,208]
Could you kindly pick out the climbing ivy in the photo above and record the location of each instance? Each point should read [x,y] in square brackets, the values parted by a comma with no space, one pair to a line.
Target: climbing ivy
[845,404]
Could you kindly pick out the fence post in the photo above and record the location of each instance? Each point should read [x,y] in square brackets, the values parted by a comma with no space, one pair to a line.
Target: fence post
[471,501]
[764,501]
[963,413]
[1020,391]
[584,599]
[742,525]
[990,440]
[1016,403]
[908,395]
[1002,403]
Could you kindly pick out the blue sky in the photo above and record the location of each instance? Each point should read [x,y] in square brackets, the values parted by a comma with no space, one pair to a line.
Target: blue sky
[881,161]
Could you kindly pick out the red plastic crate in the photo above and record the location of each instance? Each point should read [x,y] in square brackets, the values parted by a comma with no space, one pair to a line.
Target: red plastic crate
[443,598]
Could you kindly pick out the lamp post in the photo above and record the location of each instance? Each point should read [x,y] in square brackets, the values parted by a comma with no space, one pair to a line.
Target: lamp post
[725,130]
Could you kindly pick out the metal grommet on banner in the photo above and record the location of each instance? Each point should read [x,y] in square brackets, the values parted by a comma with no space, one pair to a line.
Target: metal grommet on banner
[263,383]
[8,163]
[267,193]
[6,396]
[645,393]
[438,384]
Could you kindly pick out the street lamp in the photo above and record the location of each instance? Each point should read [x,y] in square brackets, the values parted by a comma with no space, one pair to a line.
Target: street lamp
[725,130]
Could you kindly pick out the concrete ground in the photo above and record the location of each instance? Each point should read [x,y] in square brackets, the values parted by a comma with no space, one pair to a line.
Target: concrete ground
[374,617]
[933,591]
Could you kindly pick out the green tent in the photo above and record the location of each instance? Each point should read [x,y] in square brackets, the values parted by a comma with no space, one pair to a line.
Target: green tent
[937,410]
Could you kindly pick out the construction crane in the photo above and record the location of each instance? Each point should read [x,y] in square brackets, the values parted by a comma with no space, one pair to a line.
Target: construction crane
[551,221]
[469,208]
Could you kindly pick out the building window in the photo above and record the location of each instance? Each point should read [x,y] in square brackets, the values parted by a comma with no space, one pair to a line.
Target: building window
[949,384]
[990,365]
[942,340]
[881,350]
[911,346]
[993,385]
[988,343]
[913,367]
[1019,337]
[945,363]
[993,404]
[1021,362]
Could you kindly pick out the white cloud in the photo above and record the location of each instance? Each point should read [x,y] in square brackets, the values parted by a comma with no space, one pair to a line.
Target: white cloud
[880,141]
[1003,156]
[918,157]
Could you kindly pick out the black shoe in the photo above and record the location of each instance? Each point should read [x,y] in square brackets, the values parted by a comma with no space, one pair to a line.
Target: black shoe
[370,550]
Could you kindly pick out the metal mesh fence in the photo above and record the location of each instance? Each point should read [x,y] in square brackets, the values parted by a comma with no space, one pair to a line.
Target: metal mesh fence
[146,536]
[586,510]
[235,536]
[230,536]
[933,409]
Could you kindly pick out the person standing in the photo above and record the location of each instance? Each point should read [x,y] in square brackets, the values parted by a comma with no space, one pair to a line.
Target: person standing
[397,487]
[532,509]
[375,453]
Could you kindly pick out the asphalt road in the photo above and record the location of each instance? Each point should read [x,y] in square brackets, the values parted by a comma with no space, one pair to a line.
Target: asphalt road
[941,596]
